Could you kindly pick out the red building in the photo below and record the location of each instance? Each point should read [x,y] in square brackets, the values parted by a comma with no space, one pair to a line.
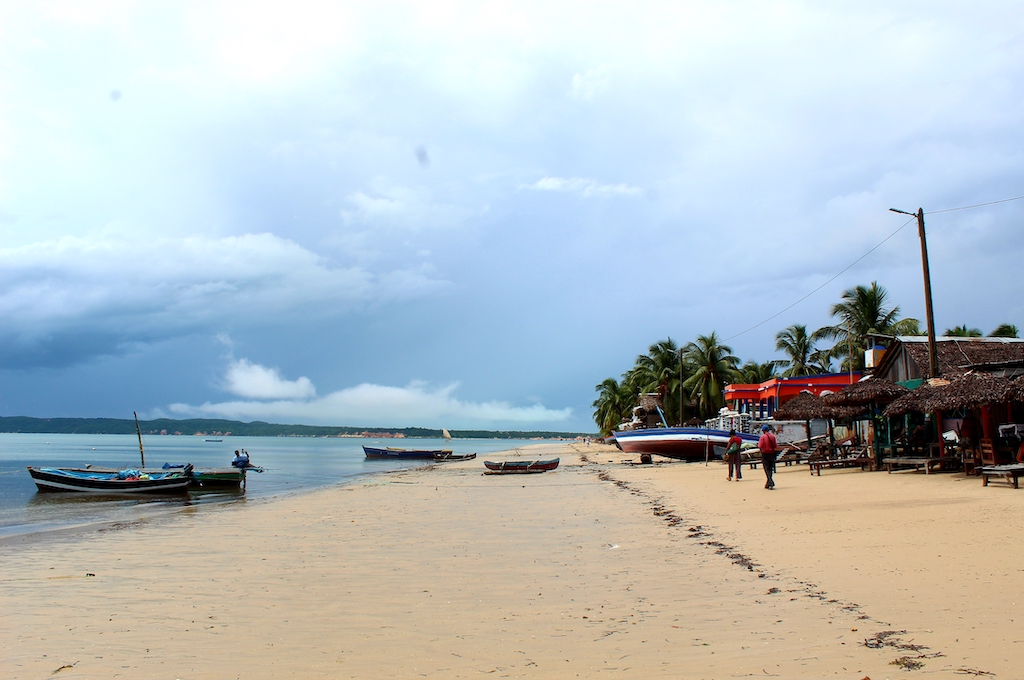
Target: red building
[762,400]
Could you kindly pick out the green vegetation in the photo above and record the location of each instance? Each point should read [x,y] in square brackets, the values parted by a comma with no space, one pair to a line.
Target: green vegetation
[691,380]
[208,427]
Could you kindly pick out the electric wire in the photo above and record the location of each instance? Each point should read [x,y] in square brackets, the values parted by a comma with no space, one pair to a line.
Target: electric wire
[838,274]
[876,247]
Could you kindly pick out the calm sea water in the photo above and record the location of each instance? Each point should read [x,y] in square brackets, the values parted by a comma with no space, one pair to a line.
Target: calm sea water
[292,464]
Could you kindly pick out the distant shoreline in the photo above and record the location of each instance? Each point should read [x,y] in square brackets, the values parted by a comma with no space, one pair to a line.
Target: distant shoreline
[204,427]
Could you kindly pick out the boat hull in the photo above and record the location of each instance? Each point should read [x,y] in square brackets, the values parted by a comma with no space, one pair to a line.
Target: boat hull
[90,481]
[520,467]
[680,443]
[374,453]
[452,457]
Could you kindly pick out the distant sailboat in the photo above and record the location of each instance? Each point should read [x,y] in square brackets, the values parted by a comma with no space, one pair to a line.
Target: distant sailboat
[446,434]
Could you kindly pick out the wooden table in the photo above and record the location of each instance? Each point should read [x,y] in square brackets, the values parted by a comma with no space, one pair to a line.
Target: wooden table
[917,462]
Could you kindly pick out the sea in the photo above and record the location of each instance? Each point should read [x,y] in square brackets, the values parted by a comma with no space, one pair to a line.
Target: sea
[291,464]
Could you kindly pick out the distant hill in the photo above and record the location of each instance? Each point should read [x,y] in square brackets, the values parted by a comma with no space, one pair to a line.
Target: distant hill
[257,428]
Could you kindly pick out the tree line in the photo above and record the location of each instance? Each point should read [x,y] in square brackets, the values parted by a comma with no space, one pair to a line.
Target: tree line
[691,378]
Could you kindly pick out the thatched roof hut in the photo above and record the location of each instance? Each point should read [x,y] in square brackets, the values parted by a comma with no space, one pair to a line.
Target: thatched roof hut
[907,357]
[804,406]
[915,401]
[871,390]
[971,389]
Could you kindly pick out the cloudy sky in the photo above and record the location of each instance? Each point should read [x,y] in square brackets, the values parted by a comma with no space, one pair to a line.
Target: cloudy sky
[468,214]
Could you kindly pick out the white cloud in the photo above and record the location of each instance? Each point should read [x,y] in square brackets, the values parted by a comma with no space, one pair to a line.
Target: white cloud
[585,86]
[400,206]
[585,186]
[254,381]
[381,405]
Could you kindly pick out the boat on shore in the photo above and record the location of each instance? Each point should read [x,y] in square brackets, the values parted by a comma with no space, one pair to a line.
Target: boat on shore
[448,456]
[520,467]
[680,443]
[374,453]
[104,481]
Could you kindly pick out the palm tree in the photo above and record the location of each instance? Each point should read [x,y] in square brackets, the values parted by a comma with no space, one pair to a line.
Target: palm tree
[821,361]
[658,371]
[862,312]
[753,373]
[613,403]
[962,332]
[1005,330]
[799,347]
[714,367]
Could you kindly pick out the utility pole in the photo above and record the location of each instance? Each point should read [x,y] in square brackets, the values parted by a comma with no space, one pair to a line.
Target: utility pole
[680,387]
[933,357]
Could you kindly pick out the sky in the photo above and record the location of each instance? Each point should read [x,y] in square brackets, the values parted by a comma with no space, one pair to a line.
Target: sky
[468,214]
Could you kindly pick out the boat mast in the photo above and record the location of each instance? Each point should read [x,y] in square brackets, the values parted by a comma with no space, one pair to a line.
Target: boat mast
[142,451]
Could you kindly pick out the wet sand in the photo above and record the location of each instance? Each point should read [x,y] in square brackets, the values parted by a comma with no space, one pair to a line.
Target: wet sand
[598,568]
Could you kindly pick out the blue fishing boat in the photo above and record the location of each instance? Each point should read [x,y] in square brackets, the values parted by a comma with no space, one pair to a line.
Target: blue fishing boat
[111,481]
[374,453]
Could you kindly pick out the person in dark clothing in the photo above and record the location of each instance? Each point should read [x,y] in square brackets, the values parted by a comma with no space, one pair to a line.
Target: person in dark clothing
[732,456]
[769,451]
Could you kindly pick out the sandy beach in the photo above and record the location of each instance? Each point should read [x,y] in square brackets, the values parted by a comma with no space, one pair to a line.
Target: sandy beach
[598,568]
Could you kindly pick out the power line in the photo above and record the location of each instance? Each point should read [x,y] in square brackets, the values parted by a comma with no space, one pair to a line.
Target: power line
[850,266]
[978,205]
[838,274]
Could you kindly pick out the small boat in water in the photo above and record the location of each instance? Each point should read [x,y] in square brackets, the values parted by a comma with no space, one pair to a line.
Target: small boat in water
[111,481]
[449,456]
[374,453]
[520,467]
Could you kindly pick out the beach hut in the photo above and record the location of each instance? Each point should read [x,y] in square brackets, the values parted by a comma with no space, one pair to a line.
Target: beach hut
[862,401]
[805,406]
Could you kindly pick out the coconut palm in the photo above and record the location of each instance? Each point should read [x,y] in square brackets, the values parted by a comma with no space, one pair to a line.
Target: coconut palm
[753,373]
[962,332]
[714,366]
[862,312]
[798,347]
[659,371]
[1005,330]
[614,402]
[821,361]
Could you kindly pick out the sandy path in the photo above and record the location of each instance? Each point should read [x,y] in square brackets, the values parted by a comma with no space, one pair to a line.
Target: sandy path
[592,569]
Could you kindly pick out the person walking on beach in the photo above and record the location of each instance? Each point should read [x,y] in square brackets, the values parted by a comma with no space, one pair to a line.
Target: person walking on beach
[769,448]
[732,455]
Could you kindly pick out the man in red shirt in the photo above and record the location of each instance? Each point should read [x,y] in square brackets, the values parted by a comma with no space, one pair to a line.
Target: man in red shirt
[769,448]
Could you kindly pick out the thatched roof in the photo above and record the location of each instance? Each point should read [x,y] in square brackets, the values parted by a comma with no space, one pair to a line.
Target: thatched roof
[914,401]
[868,391]
[804,406]
[971,389]
[958,356]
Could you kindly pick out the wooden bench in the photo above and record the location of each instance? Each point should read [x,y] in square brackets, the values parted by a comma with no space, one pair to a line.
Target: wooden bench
[1008,472]
[917,463]
[787,457]
[863,461]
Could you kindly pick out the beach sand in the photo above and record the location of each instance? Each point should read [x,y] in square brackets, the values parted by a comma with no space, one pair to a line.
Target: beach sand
[598,568]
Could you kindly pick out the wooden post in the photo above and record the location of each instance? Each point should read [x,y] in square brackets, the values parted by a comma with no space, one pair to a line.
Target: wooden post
[142,452]
[933,357]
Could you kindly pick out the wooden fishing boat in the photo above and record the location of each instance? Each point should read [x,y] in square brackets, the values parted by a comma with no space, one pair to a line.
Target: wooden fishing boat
[520,467]
[111,482]
[374,453]
[448,456]
[681,443]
